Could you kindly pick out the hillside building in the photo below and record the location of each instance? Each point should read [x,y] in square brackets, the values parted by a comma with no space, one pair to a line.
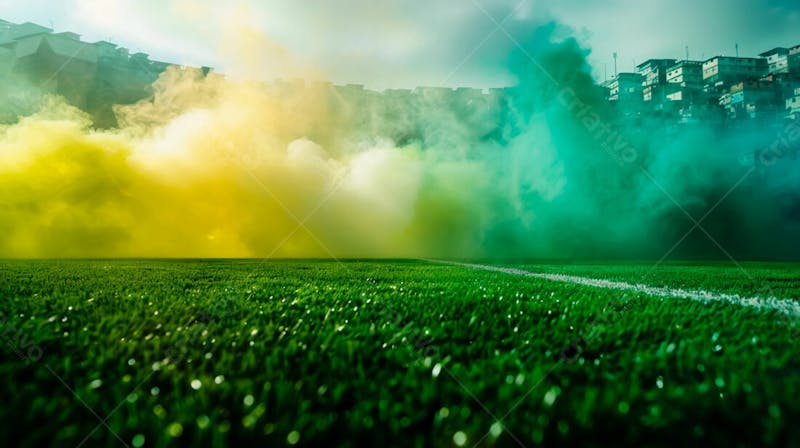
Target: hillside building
[654,79]
[720,72]
[91,76]
[777,60]
[685,82]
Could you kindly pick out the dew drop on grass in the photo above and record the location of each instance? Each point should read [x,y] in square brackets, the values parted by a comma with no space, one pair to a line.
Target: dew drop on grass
[138,441]
[196,384]
[496,429]
[95,384]
[219,379]
[175,429]
[248,400]
[660,382]
[155,391]
[459,438]
[551,395]
[203,421]
[437,369]
[293,438]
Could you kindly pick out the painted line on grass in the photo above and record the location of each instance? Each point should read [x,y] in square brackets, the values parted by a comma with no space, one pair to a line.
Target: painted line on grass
[787,307]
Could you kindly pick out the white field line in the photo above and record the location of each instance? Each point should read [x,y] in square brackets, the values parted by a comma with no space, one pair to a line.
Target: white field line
[788,307]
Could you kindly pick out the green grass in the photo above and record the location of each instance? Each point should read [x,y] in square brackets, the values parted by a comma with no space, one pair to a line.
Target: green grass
[179,353]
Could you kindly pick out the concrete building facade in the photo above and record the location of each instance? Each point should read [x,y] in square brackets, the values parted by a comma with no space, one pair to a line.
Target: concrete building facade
[753,99]
[726,70]
[654,79]
[777,60]
[685,81]
[626,88]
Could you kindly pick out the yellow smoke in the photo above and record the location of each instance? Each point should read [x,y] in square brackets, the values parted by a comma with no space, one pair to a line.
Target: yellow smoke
[225,167]
[207,168]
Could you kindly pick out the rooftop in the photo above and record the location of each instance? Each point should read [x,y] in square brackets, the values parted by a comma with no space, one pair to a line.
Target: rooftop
[651,62]
[728,58]
[776,50]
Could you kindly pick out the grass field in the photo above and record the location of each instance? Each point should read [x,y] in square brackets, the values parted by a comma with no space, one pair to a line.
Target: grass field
[176,353]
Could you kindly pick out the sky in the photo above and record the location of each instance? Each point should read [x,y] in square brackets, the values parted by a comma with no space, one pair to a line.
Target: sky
[405,43]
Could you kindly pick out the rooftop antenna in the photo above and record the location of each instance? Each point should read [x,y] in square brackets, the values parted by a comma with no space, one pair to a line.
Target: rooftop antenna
[615,64]
[737,49]
[687,52]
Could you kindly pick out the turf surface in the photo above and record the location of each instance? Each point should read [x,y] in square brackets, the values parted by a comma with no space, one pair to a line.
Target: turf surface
[177,353]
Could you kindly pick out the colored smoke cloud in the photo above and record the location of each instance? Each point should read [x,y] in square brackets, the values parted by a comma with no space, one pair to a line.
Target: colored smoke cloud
[216,167]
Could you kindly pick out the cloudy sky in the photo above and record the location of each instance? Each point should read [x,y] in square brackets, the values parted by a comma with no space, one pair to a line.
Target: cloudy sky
[404,43]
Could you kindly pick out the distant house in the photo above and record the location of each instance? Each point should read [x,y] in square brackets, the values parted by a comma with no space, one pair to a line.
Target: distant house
[777,60]
[685,81]
[721,71]
[753,99]
[654,82]
[625,88]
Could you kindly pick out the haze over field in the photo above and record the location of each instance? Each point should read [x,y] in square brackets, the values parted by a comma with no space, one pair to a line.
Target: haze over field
[224,167]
